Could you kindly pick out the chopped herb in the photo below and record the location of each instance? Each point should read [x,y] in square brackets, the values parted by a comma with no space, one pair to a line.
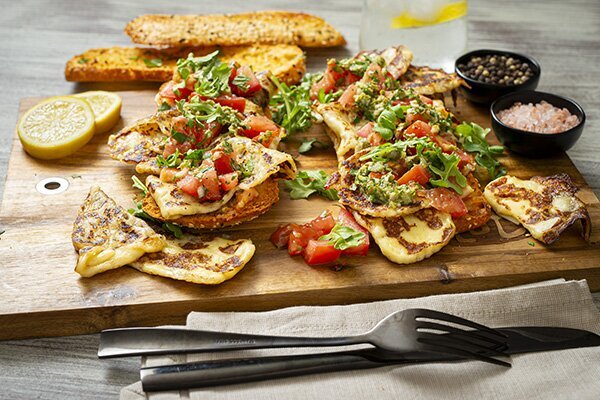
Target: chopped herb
[172,161]
[200,112]
[241,81]
[307,145]
[343,237]
[388,120]
[291,106]
[153,62]
[328,97]
[180,137]
[227,148]
[174,229]
[140,213]
[472,137]
[164,106]
[309,182]
[445,166]
[139,185]
[195,155]
[83,61]
[532,244]
[212,74]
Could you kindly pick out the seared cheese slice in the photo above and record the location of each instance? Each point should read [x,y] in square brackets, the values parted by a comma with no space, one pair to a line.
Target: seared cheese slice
[108,237]
[410,238]
[197,259]
[175,203]
[341,130]
[545,206]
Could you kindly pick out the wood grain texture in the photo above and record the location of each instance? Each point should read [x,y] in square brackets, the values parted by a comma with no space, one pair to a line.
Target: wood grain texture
[38,229]
[39,37]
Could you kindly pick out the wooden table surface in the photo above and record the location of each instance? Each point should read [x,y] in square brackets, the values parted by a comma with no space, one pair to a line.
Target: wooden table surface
[38,37]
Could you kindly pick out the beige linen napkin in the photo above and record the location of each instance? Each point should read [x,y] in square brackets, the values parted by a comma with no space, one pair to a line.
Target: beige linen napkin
[565,374]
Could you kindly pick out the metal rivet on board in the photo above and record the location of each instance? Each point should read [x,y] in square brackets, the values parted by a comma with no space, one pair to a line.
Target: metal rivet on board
[52,185]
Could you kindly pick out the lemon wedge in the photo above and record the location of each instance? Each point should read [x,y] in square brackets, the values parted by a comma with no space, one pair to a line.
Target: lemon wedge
[446,13]
[106,107]
[56,127]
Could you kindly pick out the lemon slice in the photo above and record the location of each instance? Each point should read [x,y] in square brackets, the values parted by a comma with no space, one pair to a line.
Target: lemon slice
[56,127]
[106,107]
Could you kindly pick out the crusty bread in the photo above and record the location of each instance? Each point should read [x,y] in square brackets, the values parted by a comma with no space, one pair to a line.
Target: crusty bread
[129,63]
[235,212]
[269,27]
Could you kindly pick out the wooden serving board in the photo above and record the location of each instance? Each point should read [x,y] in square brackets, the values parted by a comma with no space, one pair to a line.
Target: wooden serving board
[41,295]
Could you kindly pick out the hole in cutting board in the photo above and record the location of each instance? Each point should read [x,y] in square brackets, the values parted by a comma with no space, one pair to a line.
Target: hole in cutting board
[54,185]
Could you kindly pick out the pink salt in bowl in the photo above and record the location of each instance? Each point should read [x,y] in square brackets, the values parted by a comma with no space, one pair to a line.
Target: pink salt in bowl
[536,144]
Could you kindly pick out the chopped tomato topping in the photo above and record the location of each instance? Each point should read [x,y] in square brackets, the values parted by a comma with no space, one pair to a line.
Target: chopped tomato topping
[169,93]
[375,138]
[222,163]
[327,83]
[449,147]
[366,130]
[419,129]
[347,98]
[416,174]
[281,237]
[447,201]
[258,124]
[228,181]
[374,73]
[169,174]
[253,85]
[237,103]
[297,236]
[212,187]
[320,252]
[347,219]
[410,118]
[426,100]
[189,184]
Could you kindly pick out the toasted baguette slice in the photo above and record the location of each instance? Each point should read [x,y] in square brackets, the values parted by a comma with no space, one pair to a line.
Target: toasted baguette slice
[130,63]
[244,206]
[268,27]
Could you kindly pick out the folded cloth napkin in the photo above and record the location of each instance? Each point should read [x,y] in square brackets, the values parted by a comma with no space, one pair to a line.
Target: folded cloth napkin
[565,374]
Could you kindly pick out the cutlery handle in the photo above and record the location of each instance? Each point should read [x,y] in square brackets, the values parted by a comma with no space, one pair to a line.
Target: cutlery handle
[148,341]
[233,371]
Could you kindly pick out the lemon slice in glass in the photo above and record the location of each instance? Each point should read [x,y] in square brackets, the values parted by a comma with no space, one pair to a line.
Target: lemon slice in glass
[56,127]
[106,107]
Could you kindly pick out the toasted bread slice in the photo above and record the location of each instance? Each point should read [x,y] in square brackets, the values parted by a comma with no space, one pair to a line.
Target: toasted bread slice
[198,259]
[268,27]
[136,64]
[108,237]
[246,205]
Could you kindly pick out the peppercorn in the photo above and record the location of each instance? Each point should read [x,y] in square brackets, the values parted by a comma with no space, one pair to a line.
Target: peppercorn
[497,69]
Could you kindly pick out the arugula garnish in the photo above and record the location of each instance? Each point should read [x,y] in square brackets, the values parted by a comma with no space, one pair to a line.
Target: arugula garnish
[328,97]
[388,120]
[445,166]
[179,136]
[309,182]
[472,137]
[139,185]
[172,161]
[153,62]
[343,237]
[307,145]
[212,74]
[291,106]
[200,112]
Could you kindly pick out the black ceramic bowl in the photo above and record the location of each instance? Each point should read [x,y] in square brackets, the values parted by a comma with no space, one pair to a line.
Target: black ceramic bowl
[534,144]
[485,93]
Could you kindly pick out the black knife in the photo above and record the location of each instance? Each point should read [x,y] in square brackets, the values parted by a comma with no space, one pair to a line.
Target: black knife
[232,371]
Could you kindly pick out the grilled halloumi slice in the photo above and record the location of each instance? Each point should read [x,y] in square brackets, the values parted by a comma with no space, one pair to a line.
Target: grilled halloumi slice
[410,238]
[397,59]
[428,81]
[107,237]
[203,260]
[265,163]
[545,206]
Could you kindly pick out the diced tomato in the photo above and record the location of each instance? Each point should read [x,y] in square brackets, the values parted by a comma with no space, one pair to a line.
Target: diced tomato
[299,238]
[321,225]
[351,78]
[257,124]
[375,138]
[410,118]
[327,83]
[450,148]
[320,252]
[366,130]
[347,98]
[266,138]
[210,182]
[447,201]
[168,91]
[373,73]
[228,181]
[168,174]
[419,129]
[281,236]
[237,103]
[253,83]
[347,219]
[189,184]
[222,163]
[416,174]
[426,100]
